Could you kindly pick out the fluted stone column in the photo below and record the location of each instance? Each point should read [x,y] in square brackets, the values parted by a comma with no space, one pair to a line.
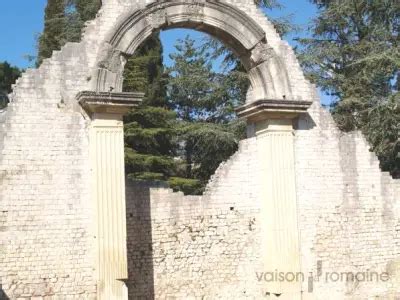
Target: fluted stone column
[108,178]
[272,123]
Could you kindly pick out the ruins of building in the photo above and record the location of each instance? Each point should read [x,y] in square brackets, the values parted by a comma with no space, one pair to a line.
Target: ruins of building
[298,198]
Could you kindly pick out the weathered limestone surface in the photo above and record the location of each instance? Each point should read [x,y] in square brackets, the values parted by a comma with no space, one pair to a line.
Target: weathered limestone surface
[106,111]
[210,246]
[184,247]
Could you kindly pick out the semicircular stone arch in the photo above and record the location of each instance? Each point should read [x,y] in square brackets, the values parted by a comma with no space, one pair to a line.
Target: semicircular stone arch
[268,73]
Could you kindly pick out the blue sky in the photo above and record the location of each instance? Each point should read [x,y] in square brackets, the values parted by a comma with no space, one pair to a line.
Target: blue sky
[22,20]
[301,11]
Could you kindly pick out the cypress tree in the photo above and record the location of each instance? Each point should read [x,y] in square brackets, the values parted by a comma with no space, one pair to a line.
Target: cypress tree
[8,76]
[87,9]
[53,36]
[204,101]
[64,21]
[144,72]
[149,129]
[354,55]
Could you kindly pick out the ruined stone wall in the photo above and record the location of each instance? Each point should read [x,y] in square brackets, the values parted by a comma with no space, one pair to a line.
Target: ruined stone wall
[45,243]
[349,209]
[210,246]
[178,246]
[193,247]
[46,217]
[46,234]
[46,238]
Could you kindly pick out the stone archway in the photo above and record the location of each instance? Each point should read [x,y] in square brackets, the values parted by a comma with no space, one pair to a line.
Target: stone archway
[270,110]
[268,74]
[61,173]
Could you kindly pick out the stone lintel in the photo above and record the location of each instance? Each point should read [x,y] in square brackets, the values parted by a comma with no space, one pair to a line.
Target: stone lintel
[108,103]
[272,109]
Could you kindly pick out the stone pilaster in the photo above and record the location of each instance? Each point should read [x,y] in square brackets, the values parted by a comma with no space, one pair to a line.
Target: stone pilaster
[272,123]
[108,178]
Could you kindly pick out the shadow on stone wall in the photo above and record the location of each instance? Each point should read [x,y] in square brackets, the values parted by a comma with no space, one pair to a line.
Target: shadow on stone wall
[305,122]
[139,242]
[3,295]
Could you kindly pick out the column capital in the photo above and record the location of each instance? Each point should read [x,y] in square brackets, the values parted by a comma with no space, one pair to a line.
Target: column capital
[108,103]
[272,109]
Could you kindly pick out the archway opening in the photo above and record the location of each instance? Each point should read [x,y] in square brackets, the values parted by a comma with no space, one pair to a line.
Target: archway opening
[269,90]
[171,139]
[186,126]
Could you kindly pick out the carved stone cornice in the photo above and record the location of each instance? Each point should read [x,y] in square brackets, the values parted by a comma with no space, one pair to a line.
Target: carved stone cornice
[264,109]
[108,103]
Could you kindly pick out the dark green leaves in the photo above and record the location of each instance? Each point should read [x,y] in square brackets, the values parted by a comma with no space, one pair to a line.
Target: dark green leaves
[64,21]
[187,126]
[150,134]
[354,55]
[383,131]
[204,101]
[199,93]
[8,76]
[210,145]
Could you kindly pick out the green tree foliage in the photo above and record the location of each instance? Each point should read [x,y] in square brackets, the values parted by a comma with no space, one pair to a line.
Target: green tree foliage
[383,128]
[77,12]
[149,130]
[158,147]
[8,76]
[182,137]
[203,100]
[144,72]
[53,36]
[149,140]
[87,9]
[354,55]
[197,92]
[283,25]
[193,86]
[186,185]
[209,144]
[64,21]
